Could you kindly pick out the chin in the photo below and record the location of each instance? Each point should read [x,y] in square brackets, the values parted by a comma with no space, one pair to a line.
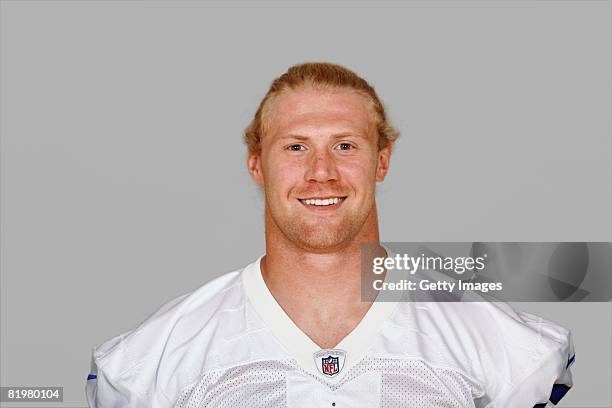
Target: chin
[322,238]
[321,243]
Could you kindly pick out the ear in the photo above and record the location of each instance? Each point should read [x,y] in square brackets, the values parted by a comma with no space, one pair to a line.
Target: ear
[254,166]
[384,157]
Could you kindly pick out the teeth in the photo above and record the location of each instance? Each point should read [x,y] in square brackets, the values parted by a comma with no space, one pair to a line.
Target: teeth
[328,201]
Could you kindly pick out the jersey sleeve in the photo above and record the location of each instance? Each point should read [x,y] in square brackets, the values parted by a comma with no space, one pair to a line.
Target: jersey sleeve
[546,375]
[103,392]
[114,381]
[124,369]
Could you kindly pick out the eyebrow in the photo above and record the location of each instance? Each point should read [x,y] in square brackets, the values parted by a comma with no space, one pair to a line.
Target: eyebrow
[335,136]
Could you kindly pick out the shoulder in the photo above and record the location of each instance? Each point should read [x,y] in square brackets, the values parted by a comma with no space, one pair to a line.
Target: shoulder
[153,354]
[175,317]
[510,353]
[493,329]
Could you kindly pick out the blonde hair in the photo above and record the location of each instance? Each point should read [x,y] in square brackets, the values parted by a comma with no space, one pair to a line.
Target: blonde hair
[322,75]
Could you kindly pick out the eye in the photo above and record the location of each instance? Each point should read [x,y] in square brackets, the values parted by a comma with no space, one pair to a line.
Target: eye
[344,146]
[295,148]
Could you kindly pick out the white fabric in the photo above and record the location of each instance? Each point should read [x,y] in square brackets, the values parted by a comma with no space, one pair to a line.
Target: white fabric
[229,344]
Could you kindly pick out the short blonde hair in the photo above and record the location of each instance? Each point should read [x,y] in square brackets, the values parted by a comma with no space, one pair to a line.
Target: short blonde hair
[322,75]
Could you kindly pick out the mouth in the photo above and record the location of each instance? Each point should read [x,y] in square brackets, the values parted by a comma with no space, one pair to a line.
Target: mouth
[320,203]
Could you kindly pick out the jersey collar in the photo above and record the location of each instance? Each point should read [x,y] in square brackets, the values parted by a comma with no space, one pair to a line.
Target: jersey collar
[295,341]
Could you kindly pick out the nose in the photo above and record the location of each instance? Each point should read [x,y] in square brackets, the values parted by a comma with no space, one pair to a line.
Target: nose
[322,167]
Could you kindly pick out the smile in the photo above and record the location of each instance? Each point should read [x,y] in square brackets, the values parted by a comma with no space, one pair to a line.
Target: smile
[322,202]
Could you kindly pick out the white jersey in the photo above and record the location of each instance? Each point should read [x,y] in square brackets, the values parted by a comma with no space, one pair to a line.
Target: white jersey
[230,345]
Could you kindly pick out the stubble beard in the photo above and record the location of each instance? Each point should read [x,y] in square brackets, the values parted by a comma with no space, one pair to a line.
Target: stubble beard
[318,234]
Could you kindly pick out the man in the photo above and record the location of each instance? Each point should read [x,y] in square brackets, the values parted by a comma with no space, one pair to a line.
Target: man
[272,335]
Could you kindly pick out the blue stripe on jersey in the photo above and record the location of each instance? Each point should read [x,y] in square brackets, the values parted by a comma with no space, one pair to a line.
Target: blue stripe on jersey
[570,360]
[558,391]
[91,377]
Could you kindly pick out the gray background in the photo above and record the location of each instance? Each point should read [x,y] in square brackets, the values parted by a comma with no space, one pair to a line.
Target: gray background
[123,173]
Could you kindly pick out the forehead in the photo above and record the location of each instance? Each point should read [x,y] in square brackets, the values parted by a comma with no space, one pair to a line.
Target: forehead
[308,109]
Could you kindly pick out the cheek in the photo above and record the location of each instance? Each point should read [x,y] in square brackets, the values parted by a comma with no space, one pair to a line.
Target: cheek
[359,174]
[290,168]
[281,176]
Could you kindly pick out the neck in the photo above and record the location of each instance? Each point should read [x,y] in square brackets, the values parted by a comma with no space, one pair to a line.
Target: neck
[318,287]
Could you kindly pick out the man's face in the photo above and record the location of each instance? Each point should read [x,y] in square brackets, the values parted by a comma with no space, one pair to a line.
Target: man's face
[319,163]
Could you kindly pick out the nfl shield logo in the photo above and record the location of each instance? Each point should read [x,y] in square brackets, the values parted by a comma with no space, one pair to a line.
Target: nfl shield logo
[330,365]
[330,362]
